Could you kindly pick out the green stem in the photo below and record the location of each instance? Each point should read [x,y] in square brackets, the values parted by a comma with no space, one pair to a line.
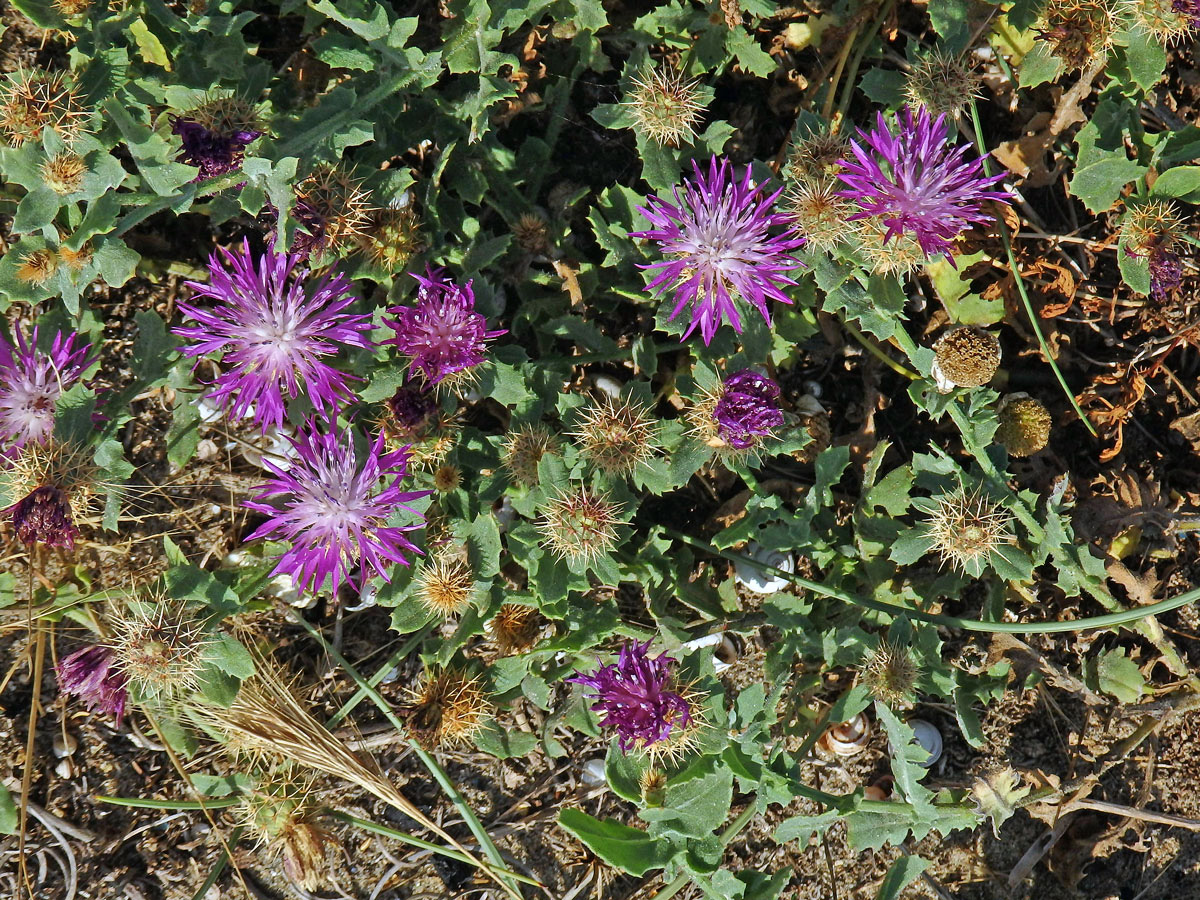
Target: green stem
[1002,227]
[852,72]
[148,803]
[1110,620]
[435,769]
[391,663]
[875,350]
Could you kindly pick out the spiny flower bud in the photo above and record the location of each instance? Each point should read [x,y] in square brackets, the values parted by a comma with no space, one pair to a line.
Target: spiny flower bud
[448,708]
[515,628]
[1151,231]
[523,449]
[966,357]
[816,159]
[445,584]
[665,107]
[38,267]
[333,210]
[941,83]
[160,647]
[1167,20]
[75,260]
[447,478]
[281,811]
[1024,425]
[55,482]
[72,8]
[820,214]
[617,436]
[966,529]
[531,234]
[63,172]
[393,238]
[653,784]
[890,674]
[1079,31]
[32,100]
[897,255]
[580,525]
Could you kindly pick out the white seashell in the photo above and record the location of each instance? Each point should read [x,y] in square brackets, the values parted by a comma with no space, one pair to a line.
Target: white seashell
[752,578]
[505,514]
[278,450]
[593,773]
[848,738]
[402,201]
[725,649]
[808,405]
[367,598]
[814,389]
[64,744]
[608,385]
[283,587]
[928,736]
[944,384]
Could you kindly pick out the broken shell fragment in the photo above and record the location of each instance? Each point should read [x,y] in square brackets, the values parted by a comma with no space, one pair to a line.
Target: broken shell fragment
[847,738]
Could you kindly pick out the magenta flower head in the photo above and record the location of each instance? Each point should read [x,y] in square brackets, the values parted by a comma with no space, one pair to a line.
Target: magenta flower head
[31,383]
[916,181]
[636,697]
[212,152]
[1166,271]
[443,334]
[747,409]
[1189,9]
[44,517]
[334,509]
[719,249]
[92,675]
[274,331]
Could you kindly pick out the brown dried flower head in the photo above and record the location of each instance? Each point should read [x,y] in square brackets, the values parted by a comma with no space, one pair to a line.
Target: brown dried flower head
[32,100]
[941,83]
[515,628]
[1024,425]
[448,708]
[820,214]
[522,450]
[38,267]
[393,238]
[816,160]
[890,674]
[1080,32]
[445,584]
[447,478]
[532,234]
[63,172]
[966,357]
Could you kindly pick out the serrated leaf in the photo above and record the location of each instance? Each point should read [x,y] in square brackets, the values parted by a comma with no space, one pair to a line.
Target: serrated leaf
[229,655]
[148,44]
[996,795]
[1118,675]
[696,806]
[1100,184]
[1039,66]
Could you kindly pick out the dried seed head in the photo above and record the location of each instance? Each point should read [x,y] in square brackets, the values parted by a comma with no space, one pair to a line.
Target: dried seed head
[820,214]
[616,436]
[448,708]
[580,525]
[816,160]
[32,100]
[447,478]
[75,260]
[56,482]
[38,267]
[523,449]
[897,255]
[1167,20]
[445,584]
[44,517]
[967,528]
[515,628]
[665,106]
[890,674]
[63,172]
[1079,31]
[160,647]
[941,83]
[333,209]
[966,357]
[393,238]
[653,784]
[531,234]
[1024,425]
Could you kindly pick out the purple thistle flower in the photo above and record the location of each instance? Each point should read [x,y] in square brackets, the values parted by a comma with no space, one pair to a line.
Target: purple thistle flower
[748,408]
[31,383]
[92,675]
[442,334]
[1166,271]
[916,181]
[212,152]
[44,517]
[716,237]
[329,505]
[273,333]
[635,696]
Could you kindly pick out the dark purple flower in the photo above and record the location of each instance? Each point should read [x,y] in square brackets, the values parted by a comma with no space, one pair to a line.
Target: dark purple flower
[635,695]
[331,507]
[717,241]
[212,152]
[1189,9]
[442,335]
[748,408]
[44,517]
[91,675]
[412,405]
[916,181]
[31,383]
[273,332]
[1166,271]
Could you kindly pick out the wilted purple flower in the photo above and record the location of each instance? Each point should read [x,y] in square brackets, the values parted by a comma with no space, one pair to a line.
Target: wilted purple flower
[31,383]
[1166,271]
[442,334]
[412,405]
[748,408]
[916,181]
[92,675]
[1189,9]
[212,152]
[330,506]
[719,248]
[635,695]
[273,332]
[44,517]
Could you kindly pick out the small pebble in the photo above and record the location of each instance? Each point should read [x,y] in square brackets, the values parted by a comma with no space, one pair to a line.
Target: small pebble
[607,385]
